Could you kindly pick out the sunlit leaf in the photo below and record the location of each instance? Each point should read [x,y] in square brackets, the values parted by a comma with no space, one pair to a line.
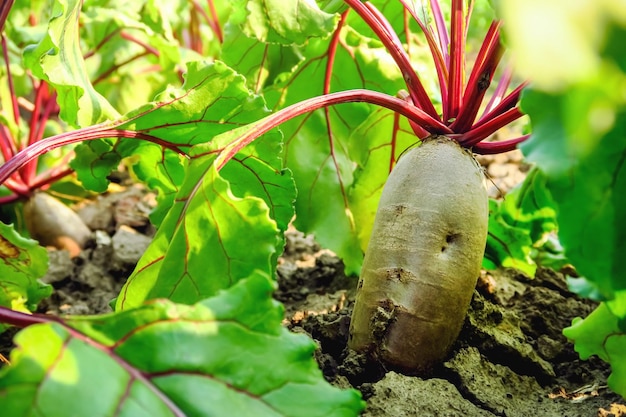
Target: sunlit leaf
[115,62]
[585,174]
[58,59]
[262,64]
[211,238]
[317,145]
[213,100]
[529,206]
[227,355]
[600,334]
[562,45]
[277,21]
[22,263]
[507,245]
[375,146]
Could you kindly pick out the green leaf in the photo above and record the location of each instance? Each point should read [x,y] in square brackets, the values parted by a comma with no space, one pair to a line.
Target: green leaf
[257,171]
[227,355]
[563,44]
[211,238]
[521,228]
[118,62]
[59,60]
[277,21]
[317,145]
[530,206]
[162,170]
[587,177]
[507,245]
[601,334]
[375,145]
[579,126]
[22,262]
[94,161]
[392,10]
[262,64]
[212,100]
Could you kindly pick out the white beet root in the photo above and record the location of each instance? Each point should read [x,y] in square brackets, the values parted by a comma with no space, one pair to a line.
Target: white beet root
[423,258]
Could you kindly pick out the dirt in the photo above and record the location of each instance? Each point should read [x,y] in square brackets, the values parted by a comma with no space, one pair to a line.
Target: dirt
[509,360]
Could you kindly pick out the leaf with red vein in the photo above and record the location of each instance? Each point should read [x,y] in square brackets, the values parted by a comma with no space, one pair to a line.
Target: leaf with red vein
[221,228]
[226,355]
[278,21]
[214,99]
[260,63]
[58,59]
[376,145]
[321,165]
[22,262]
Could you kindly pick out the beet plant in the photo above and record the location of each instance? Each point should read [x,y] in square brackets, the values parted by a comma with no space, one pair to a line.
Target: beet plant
[284,108]
[30,111]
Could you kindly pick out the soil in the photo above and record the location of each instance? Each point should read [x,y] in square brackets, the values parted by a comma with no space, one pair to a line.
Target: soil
[509,360]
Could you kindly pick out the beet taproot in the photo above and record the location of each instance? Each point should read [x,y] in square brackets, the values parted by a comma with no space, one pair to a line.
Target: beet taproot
[423,258]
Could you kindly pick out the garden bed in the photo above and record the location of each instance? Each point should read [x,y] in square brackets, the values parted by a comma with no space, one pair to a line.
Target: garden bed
[510,359]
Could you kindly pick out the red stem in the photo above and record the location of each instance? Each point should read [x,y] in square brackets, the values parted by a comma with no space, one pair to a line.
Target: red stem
[394,140]
[500,92]
[108,72]
[457,60]
[101,43]
[40,94]
[8,199]
[419,131]
[407,30]
[139,42]
[47,111]
[16,318]
[484,68]
[381,27]
[214,22]
[15,105]
[263,126]
[50,177]
[438,57]
[505,105]
[195,40]
[7,145]
[468,16]
[490,148]
[103,130]
[36,124]
[442,31]
[332,52]
[476,134]
[16,185]
[55,173]
[5,8]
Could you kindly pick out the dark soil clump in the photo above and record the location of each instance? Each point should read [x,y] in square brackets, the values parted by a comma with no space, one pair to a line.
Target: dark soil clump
[511,358]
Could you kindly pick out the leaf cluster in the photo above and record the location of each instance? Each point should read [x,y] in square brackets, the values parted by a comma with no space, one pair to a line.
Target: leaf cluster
[578,116]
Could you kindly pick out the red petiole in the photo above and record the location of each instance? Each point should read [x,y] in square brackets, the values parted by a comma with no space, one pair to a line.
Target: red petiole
[460,102]
[381,27]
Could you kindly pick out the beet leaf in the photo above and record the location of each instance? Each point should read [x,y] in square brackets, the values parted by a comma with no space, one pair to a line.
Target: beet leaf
[578,115]
[23,262]
[166,359]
